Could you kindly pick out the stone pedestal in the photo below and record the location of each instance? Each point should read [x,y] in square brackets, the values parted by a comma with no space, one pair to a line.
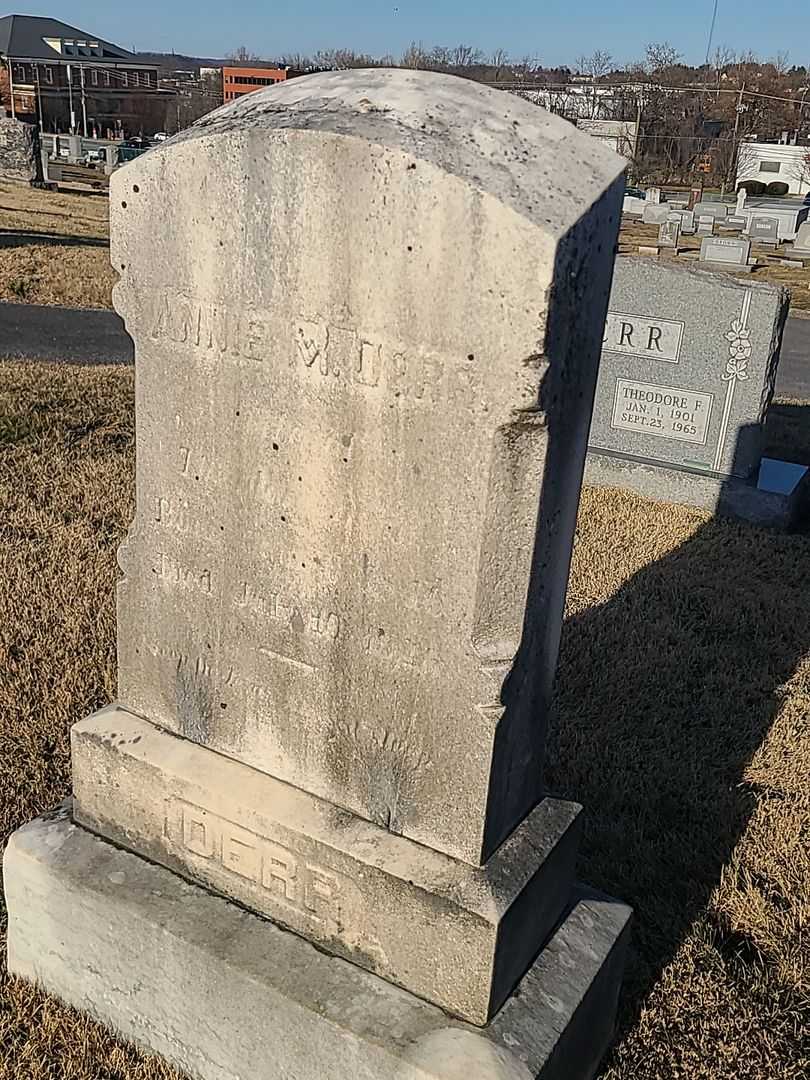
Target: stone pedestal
[220,992]
[361,436]
[457,935]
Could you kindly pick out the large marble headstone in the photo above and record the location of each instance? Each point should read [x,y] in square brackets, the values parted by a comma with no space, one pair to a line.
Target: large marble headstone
[367,336]
[342,439]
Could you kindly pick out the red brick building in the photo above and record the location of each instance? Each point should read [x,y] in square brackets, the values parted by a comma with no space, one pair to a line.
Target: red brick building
[69,80]
[237,81]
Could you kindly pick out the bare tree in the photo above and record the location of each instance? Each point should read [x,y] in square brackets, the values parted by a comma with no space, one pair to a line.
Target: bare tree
[242,55]
[415,56]
[498,62]
[723,58]
[801,173]
[659,56]
[466,56]
[781,63]
[597,65]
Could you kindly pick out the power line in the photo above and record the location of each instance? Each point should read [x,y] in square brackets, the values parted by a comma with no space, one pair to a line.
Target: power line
[711,32]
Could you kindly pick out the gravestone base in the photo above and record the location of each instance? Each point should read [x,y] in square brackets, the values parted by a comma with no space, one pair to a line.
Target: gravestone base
[220,992]
[773,505]
[458,935]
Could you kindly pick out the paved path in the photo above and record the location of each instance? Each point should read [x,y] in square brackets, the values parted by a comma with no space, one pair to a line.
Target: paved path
[31,332]
[76,336]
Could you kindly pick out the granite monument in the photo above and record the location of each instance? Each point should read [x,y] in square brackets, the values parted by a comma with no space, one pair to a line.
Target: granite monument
[688,370]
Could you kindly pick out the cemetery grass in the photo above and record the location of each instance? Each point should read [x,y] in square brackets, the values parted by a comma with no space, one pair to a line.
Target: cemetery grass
[70,274]
[635,233]
[683,700]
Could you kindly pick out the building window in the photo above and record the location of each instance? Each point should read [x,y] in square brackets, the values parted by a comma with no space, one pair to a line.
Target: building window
[19,72]
[136,79]
[49,74]
[106,78]
[124,79]
[94,76]
[770,166]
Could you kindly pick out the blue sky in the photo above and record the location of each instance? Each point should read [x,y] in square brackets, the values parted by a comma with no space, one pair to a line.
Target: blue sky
[557,31]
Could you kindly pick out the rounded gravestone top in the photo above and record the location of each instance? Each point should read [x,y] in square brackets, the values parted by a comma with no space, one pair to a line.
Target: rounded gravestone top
[533,161]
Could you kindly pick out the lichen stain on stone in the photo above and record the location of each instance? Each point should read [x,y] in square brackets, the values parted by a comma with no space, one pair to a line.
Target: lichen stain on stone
[387,766]
[194,701]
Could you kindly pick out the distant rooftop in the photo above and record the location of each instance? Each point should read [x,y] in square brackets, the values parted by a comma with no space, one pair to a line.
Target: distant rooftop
[32,37]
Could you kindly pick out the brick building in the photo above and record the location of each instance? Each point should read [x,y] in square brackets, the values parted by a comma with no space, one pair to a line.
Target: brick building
[69,80]
[237,81]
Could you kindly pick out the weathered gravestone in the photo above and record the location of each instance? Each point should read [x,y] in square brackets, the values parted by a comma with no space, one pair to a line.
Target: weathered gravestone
[764,230]
[687,220]
[705,225]
[19,151]
[801,247]
[735,223]
[361,437]
[725,254]
[632,206]
[688,370]
[787,215]
[669,233]
[655,213]
[716,210]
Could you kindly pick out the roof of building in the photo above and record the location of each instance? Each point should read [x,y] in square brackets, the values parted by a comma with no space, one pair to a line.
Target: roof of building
[32,37]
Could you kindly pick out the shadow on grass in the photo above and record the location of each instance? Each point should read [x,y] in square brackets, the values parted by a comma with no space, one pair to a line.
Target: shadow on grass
[664,694]
[787,431]
[24,237]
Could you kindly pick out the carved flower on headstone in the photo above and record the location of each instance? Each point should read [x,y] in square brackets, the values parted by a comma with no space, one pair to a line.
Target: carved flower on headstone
[739,349]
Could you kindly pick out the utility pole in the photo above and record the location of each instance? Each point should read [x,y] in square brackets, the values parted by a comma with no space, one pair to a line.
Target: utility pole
[70,99]
[638,134]
[39,100]
[84,102]
[734,140]
[11,88]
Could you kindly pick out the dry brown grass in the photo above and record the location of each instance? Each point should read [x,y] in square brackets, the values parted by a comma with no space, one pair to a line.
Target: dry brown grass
[61,212]
[43,273]
[52,274]
[683,701]
[634,233]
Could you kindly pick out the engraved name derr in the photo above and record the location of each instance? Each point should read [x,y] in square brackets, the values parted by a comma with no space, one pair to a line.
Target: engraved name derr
[639,335]
[294,881]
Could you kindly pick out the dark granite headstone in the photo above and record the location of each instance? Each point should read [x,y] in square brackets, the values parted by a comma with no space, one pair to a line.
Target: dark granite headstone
[688,368]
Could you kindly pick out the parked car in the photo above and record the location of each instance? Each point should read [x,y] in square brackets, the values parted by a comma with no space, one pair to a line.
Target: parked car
[160,136]
[635,193]
[137,142]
